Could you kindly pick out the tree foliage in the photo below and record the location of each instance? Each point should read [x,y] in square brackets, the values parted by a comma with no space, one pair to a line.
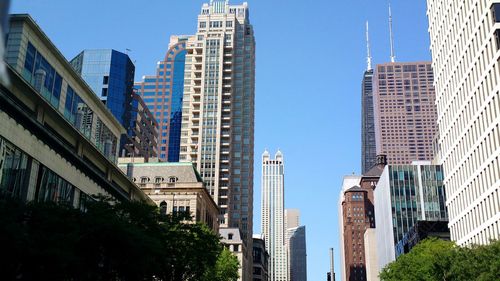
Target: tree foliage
[109,241]
[226,268]
[435,259]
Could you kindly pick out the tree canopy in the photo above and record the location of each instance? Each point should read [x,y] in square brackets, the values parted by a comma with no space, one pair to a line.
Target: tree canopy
[109,241]
[435,259]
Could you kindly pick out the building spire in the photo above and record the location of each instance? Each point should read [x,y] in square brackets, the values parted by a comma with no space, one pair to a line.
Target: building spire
[368,51]
[393,57]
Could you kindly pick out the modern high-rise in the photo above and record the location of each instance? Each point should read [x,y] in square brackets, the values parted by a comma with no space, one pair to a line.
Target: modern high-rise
[297,254]
[295,243]
[110,74]
[368,146]
[163,95]
[292,218]
[272,214]
[218,111]
[404,111]
[405,195]
[465,44]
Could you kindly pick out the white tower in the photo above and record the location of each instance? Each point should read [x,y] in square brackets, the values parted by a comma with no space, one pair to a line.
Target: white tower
[465,56]
[273,227]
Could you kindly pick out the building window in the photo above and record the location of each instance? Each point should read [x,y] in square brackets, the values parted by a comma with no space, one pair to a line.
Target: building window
[172,179]
[203,24]
[163,208]
[105,80]
[104,92]
[230,236]
[495,12]
[497,38]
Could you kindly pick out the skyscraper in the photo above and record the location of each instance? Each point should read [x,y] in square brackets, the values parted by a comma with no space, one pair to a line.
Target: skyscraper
[163,95]
[110,74]
[273,229]
[218,110]
[404,111]
[297,254]
[368,146]
[465,55]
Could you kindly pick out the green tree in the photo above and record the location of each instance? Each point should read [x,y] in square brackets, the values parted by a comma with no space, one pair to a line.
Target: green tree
[109,241]
[226,268]
[435,259]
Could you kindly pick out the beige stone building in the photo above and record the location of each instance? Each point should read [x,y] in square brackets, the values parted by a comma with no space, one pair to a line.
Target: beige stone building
[174,187]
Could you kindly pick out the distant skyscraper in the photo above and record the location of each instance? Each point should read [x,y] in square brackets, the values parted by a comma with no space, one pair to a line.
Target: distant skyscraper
[404,195]
[405,113]
[163,95]
[297,254]
[273,228]
[368,146]
[292,218]
[110,74]
[465,55]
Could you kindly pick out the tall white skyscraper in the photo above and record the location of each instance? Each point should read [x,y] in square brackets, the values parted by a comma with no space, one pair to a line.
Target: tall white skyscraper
[465,44]
[273,223]
[218,110]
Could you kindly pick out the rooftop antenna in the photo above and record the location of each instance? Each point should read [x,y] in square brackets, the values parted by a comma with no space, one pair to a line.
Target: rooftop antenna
[368,52]
[393,57]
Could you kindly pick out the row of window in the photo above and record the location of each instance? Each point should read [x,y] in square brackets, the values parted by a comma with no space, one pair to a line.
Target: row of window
[23,177]
[44,78]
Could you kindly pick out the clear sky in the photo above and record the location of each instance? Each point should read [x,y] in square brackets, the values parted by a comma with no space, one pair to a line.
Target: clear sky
[310,61]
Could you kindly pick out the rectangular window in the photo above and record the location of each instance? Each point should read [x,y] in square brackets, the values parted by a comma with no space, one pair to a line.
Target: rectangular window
[105,80]
[495,12]
[203,24]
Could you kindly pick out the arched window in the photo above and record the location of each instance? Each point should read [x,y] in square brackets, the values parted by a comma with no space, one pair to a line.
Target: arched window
[163,208]
[172,179]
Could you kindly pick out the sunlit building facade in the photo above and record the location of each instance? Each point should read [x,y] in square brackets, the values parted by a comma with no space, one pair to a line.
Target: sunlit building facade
[273,215]
[404,111]
[465,44]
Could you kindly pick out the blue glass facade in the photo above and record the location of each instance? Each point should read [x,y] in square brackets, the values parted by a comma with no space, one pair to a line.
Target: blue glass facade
[174,140]
[110,74]
[163,96]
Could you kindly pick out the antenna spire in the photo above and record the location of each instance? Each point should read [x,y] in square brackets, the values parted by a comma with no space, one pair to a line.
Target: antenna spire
[393,57]
[368,51]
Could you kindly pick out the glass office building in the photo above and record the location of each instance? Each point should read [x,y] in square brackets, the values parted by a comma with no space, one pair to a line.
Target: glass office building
[163,94]
[404,195]
[110,74]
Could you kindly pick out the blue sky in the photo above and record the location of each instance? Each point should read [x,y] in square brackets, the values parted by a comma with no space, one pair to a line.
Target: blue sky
[310,61]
